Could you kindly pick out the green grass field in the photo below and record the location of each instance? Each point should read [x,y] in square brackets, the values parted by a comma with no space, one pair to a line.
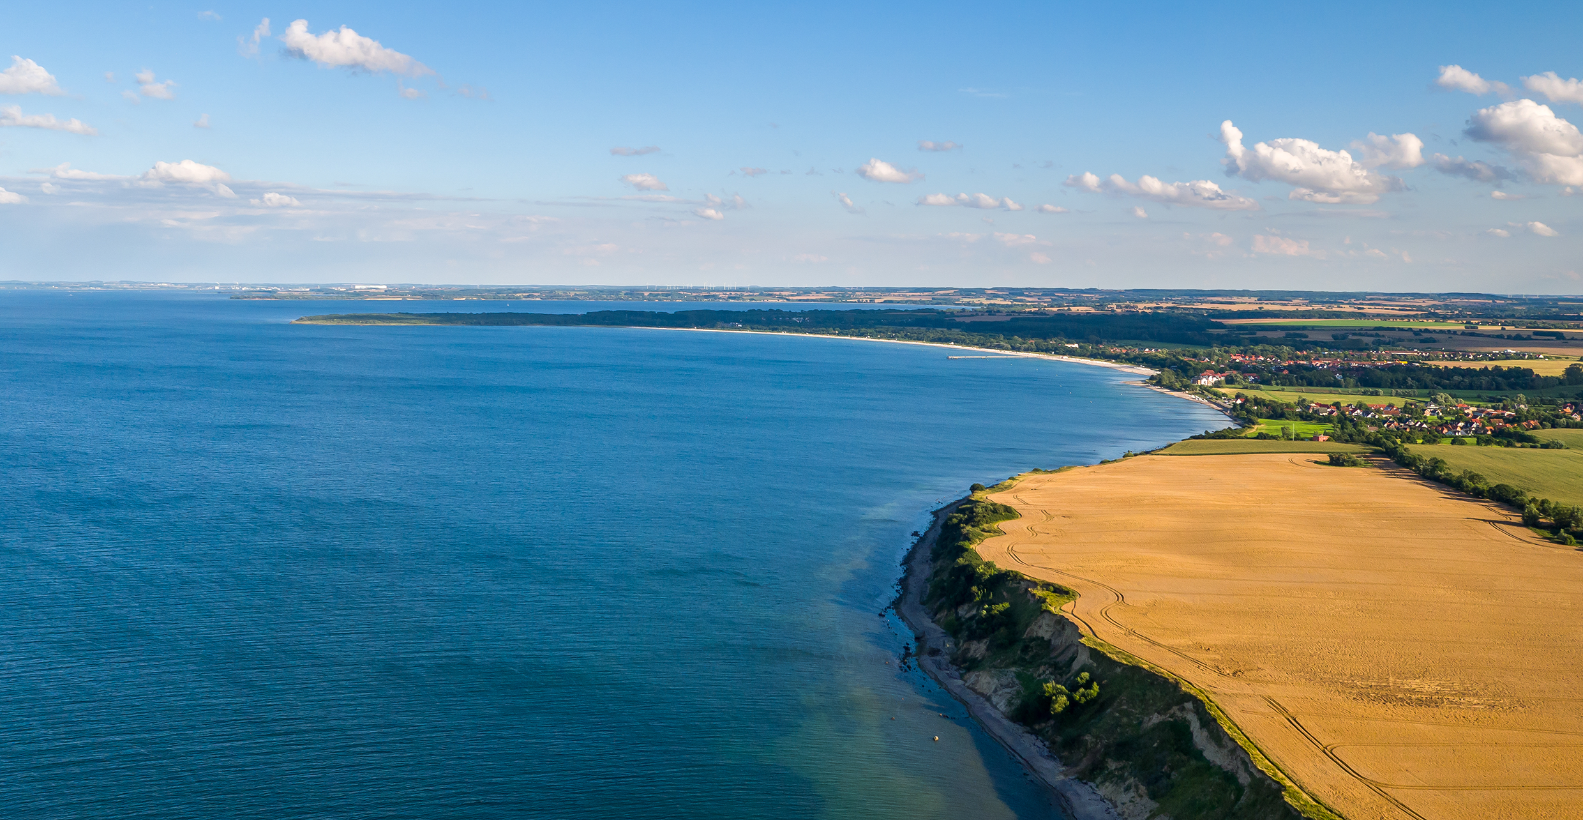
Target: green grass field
[1571,437]
[1553,474]
[1236,447]
[1302,429]
[1291,394]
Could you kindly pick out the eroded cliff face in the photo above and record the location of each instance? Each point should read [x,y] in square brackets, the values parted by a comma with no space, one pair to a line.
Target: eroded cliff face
[1148,746]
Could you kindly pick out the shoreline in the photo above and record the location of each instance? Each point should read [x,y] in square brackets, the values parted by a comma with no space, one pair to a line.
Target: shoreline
[1079,800]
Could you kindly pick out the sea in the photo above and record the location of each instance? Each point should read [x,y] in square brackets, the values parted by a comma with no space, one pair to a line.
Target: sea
[251,569]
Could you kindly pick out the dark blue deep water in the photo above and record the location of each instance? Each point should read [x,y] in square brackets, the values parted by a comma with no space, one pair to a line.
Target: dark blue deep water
[257,570]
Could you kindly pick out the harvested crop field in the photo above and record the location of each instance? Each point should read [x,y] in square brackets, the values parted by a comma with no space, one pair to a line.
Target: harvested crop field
[1397,649]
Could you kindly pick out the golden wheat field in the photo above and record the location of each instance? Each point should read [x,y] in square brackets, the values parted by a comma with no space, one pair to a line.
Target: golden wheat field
[1398,650]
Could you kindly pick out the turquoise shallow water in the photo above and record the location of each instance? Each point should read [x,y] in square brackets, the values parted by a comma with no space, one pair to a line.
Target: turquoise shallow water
[257,570]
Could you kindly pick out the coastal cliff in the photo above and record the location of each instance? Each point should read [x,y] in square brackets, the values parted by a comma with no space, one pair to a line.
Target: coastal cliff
[1112,738]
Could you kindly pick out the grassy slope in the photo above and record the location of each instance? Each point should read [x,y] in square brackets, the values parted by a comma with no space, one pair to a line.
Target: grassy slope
[1571,437]
[1232,446]
[1553,474]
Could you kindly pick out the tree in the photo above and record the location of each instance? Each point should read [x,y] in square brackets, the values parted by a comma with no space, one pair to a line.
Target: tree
[1573,374]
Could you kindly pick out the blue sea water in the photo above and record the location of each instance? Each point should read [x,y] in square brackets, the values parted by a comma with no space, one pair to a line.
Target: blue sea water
[256,570]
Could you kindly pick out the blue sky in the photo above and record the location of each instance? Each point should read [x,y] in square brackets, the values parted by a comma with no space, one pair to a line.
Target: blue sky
[475,144]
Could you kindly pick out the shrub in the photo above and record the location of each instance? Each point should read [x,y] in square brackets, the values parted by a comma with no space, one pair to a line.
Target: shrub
[1345,460]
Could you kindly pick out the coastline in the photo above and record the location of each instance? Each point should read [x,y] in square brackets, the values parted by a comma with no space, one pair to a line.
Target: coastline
[1079,800]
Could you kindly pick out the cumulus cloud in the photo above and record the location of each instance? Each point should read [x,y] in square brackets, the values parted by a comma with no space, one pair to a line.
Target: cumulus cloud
[1039,258]
[635,152]
[208,15]
[846,202]
[274,200]
[709,213]
[645,182]
[1457,78]
[1499,233]
[409,93]
[1554,88]
[1047,208]
[752,172]
[877,170]
[1541,229]
[1283,246]
[983,201]
[1549,148]
[1139,212]
[1476,170]
[27,77]
[1200,193]
[185,172]
[11,116]
[348,49]
[929,145]
[154,90]
[1317,174]
[248,47]
[48,187]
[201,122]
[1502,195]
[11,197]
[1394,151]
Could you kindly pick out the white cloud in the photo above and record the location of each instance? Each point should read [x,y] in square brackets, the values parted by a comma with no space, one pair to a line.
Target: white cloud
[208,15]
[877,170]
[635,152]
[752,172]
[645,182]
[1499,233]
[929,145]
[49,187]
[709,213]
[11,116]
[1047,208]
[982,201]
[1139,212]
[348,49]
[1013,240]
[27,77]
[409,93]
[1541,229]
[1475,170]
[248,47]
[201,122]
[1200,193]
[1394,151]
[109,76]
[1549,147]
[847,203]
[1283,246]
[274,200]
[149,88]
[1039,258]
[1318,174]
[11,197]
[810,258]
[185,172]
[1502,195]
[1457,78]
[1554,88]
[65,171]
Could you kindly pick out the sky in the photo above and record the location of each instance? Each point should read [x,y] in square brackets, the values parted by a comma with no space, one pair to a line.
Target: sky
[1395,147]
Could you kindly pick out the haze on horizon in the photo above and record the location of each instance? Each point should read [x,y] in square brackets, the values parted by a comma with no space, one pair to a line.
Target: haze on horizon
[1408,147]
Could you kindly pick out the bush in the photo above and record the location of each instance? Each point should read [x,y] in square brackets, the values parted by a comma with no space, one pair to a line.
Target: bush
[1345,460]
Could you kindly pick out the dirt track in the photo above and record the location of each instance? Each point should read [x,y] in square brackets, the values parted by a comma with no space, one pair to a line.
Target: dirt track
[1398,650]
